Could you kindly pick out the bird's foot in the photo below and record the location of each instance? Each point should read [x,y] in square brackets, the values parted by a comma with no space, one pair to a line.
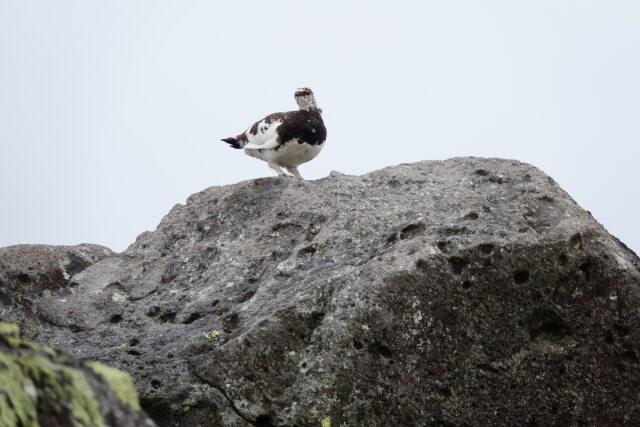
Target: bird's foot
[294,171]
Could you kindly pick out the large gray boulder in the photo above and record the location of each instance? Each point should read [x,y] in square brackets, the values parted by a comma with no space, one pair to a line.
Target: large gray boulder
[460,292]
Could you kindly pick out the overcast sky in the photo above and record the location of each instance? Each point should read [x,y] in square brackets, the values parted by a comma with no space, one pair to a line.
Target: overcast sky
[111,111]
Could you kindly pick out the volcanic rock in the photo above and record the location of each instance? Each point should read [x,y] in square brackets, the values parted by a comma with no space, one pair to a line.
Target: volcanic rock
[461,292]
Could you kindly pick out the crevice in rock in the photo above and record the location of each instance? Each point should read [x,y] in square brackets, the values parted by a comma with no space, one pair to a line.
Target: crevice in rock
[234,407]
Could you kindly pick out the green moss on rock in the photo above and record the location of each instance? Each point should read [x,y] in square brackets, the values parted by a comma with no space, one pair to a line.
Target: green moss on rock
[37,383]
[17,395]
[120,383]
[9,330]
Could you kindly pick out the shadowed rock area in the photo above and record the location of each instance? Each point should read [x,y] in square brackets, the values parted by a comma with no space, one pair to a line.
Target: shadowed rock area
[31,272]
[461,292]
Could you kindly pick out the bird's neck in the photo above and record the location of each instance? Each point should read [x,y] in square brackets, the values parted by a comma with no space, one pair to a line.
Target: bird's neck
[307,103]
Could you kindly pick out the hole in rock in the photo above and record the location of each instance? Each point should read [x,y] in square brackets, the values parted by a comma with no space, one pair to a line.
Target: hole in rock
[23,278]
[381,350]
[153,311]
[586,268]
[576,241]
[192,318]
[455,231]
[264,420]
[116,318]
[630,356]
[457,264]
[552,328]
[499,179]
[168,317]
[230,321]
[166,278]
[472,216]
[608,338]
[155,384]
[547,323]
[445,392]
[521,277]
[412,230]
[358,345]
[422,264]
[307,252]
[116,285]
[246,296]
[486,248]
[621,330]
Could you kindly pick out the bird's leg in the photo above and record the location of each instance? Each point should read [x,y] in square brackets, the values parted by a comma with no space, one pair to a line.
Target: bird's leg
[293,170]
[276,168]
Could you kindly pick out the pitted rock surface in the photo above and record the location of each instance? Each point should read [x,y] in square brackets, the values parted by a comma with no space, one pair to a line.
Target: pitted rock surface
[31,272]
[461,292]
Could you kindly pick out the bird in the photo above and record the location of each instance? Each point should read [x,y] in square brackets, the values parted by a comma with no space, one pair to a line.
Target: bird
[288,139]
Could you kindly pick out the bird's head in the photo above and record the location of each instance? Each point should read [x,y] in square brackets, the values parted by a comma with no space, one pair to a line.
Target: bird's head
[305,99]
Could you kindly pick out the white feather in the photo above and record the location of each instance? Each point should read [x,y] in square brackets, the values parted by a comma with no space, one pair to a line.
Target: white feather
[272,143]
[290,154]
[266,133]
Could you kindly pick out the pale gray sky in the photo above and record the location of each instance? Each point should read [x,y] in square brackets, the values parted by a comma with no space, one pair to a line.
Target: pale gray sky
[111,112]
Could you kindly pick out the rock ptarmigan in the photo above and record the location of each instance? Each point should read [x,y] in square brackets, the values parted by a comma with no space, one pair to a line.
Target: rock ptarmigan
[286,140]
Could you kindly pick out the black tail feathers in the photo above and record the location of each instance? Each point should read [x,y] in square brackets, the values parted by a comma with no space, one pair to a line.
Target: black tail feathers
[232,142]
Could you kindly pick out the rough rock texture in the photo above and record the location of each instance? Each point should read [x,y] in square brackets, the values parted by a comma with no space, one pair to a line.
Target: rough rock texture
[465,292]
[30,272]
[42,387]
